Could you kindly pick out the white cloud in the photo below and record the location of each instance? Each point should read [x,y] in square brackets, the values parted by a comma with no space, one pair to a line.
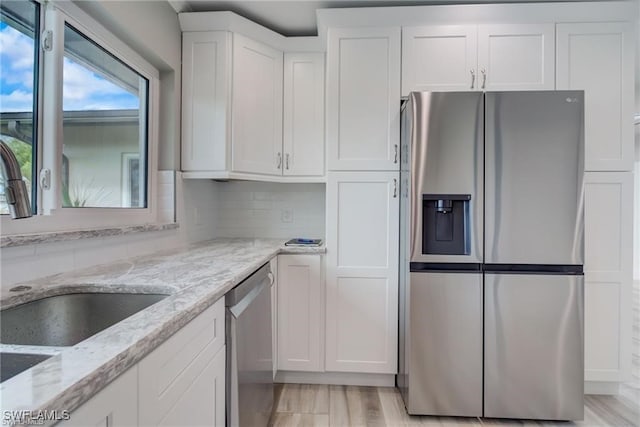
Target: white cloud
[83,89]
[18,100]
[16,54]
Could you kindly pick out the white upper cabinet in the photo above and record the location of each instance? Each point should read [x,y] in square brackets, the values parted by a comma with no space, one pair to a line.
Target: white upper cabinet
[303,134]
[205,100]
[478,57]
[598,58]
[256,107]
[439,58]
[235,93]
[363,98]
[516,57]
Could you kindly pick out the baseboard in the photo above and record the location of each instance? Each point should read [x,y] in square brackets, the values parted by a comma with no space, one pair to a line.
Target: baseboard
[336,378]
[601,387]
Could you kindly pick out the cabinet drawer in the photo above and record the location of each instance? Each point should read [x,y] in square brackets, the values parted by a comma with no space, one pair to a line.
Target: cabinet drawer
[169,372]
[113,406]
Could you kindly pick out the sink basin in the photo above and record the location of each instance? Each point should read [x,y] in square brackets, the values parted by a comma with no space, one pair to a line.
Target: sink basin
[65,320]
[11,364]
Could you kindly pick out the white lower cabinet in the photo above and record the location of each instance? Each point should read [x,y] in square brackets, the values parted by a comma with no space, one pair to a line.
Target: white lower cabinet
[300,313]
[362,272]
[180,383]
[114,406]
[608,275]
[183,379]
[273,264]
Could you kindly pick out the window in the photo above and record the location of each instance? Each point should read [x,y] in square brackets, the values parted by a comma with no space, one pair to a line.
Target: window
[19,29]
[105,116]
[79,109]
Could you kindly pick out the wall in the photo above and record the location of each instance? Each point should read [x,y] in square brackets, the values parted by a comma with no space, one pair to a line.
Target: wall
[23,263]
[96,160]
[260,209]
[153,30]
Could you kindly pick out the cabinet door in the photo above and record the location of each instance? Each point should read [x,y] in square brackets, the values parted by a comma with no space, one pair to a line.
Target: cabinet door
[205,100]
[363,98]
[362,272]
[439,58]
[608,275]
[598,58]
[300,313]
[516,57]
[273,264]
[114,406]
[257,107]
[303,133]
[183,379]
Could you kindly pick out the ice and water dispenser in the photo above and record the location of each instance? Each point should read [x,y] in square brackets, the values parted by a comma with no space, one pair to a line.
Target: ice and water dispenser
[445,224]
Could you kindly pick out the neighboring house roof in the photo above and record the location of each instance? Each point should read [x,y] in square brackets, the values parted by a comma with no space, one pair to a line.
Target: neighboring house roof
[19,124]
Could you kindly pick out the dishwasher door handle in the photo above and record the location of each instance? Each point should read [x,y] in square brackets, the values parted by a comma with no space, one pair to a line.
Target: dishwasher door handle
[245,302]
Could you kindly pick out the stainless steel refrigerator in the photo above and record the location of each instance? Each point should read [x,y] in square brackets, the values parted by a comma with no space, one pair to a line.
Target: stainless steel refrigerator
[491,282]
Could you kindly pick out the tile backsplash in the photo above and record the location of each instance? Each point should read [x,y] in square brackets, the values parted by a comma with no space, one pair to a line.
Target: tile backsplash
[272,210]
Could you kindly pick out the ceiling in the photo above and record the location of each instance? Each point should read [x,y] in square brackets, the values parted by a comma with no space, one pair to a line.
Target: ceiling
[298,18]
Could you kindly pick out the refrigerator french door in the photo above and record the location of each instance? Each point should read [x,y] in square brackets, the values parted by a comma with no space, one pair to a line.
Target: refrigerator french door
[441,208]
[491,285]
[533,256]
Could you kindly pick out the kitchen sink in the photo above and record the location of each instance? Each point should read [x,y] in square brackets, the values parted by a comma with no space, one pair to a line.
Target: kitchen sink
[11,364]
[65,320]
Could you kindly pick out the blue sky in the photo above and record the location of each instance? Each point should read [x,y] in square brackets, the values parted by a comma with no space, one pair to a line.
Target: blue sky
[83,89]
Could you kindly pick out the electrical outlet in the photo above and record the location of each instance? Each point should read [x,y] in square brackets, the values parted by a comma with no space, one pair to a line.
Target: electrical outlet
[286,215]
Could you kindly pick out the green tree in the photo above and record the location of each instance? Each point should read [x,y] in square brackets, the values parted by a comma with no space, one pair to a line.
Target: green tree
[24,155]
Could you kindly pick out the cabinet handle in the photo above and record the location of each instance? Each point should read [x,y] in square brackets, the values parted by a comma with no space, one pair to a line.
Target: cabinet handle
[395,156]
[279,160]
[473,78]
[395,188]
[484,78]
[286,161]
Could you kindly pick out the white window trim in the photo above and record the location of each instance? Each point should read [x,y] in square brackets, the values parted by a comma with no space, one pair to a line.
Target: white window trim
[51,216]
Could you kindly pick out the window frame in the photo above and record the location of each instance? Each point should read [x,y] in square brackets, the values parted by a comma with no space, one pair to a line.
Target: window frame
[51,216]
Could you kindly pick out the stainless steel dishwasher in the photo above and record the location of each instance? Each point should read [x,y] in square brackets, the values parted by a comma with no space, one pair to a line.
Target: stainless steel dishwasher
[249,351]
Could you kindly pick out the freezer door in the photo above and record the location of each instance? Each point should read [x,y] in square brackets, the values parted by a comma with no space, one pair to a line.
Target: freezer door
[533,177]
[445,344]
[534,340]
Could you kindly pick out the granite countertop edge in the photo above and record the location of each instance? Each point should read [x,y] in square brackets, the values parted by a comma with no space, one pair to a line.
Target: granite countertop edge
[13,240]
[75,374]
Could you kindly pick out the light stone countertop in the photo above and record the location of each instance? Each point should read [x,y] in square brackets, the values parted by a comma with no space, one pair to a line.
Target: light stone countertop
[195,276]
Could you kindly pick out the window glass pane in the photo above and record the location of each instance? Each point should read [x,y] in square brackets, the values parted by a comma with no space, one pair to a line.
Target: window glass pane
[18,65]
[104,160]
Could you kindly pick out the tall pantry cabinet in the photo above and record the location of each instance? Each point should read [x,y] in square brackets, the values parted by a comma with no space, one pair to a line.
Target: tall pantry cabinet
[599,59]
[363,116]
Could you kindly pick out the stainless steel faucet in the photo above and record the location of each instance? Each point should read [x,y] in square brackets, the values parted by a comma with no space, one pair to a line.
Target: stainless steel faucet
[15,189]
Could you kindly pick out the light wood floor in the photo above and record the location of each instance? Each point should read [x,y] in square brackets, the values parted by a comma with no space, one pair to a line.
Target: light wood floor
[322,405]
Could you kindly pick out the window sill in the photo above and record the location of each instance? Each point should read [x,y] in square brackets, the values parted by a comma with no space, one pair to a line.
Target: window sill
[62,236]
